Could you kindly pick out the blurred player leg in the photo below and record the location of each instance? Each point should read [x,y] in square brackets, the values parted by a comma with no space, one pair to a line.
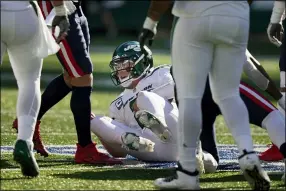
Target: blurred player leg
[191,59]
[229,55]
[27,70]
[210,111]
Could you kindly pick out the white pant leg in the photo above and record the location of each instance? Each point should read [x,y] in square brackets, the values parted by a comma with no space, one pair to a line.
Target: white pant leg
[191,58]
[230,38]
[110,131]
[17,31]
[160,107]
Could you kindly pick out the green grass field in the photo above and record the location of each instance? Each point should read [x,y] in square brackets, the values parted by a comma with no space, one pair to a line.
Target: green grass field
[58,172]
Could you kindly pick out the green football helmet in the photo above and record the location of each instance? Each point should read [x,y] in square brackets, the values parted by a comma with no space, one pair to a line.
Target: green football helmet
[129,63]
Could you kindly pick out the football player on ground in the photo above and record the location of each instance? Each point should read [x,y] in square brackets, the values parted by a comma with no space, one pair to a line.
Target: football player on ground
[145,113]
[142,82]
[27,39]
[77,79]
[209,39]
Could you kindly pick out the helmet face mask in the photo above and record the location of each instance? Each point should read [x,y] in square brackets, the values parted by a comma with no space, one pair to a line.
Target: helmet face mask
[129,64]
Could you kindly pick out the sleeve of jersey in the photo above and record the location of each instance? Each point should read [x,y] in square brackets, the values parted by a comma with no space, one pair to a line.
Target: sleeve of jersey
[253,73]
[165,88]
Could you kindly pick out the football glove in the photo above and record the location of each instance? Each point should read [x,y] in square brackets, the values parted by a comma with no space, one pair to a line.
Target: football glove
[275,29]
[148,32]
[275,33]
[61,20]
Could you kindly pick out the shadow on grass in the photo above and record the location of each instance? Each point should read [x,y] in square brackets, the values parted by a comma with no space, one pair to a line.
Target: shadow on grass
[119,174]
[235,178]
[4,164]
[152,174]
[9,164]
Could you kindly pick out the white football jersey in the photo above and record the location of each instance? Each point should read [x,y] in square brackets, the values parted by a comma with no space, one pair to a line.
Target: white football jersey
[158,80]
[206,8]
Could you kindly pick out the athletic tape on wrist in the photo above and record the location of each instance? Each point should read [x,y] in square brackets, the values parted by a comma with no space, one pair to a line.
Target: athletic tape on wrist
[277,12]
[61,10]
[150,24]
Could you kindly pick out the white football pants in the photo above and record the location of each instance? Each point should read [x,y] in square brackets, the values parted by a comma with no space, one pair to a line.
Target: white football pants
[18,29]
[214,46]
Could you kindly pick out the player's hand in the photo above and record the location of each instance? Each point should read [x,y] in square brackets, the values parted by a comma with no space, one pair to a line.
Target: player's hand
[148,32]
[275,33]
[63,23]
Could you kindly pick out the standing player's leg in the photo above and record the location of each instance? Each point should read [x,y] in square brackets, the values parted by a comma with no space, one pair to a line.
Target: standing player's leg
[75,58]
[27,70]
[224,80]
[210,111]
[208,138]
[191,60]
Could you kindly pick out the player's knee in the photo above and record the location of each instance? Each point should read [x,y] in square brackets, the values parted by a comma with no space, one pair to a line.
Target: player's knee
[67,79]
[144,97]
[220,97]
[25,82]
[99,122]
[85,80]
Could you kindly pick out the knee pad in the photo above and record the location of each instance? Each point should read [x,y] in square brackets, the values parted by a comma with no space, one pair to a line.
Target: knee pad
[218,98]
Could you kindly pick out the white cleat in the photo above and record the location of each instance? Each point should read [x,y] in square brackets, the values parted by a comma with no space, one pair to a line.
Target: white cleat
[131,141]
[210,164]
[253,172]
[158,126]
[182,180]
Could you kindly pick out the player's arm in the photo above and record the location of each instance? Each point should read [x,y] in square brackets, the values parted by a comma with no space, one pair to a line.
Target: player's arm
[255,71]
[155,12]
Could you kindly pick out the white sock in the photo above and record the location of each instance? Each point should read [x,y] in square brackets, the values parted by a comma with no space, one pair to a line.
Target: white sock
[274,123]
[236,117]
[189,129]
[282,79]
[26,127]
[210,163]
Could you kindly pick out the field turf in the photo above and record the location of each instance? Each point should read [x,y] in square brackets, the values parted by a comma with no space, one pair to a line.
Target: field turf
[58,171]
